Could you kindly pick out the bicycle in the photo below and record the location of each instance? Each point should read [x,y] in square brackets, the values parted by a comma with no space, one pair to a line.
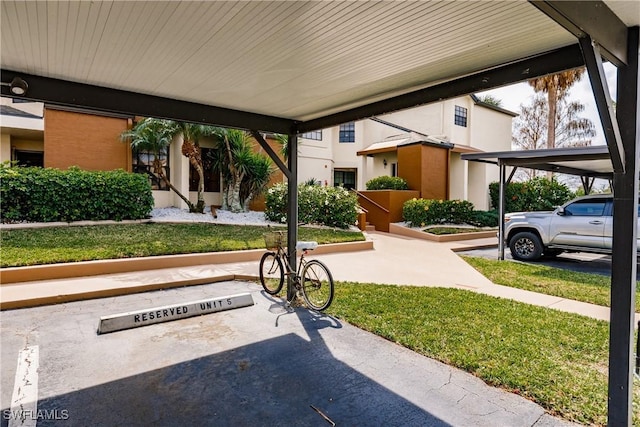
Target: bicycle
[312,278]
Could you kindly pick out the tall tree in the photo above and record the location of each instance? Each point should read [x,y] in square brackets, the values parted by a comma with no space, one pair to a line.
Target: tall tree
[191,135]
[156,135]
[245,172]
[556,87]
[531,126]
[491,100]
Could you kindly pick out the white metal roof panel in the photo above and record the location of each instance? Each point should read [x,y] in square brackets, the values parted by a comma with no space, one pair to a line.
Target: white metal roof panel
[290,59]
[297,60]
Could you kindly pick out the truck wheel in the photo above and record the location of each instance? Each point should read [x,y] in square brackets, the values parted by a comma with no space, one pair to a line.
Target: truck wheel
[525,246]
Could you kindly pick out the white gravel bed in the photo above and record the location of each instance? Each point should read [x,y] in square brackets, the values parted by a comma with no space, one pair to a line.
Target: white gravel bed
[223,217]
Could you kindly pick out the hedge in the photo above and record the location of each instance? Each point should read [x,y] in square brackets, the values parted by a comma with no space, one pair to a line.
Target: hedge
[45,195]
[421,212]
[537,194]
[387,183]
[331,206]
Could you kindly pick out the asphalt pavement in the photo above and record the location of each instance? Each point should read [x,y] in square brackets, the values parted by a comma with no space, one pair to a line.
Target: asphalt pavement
[254,366]
[580,261]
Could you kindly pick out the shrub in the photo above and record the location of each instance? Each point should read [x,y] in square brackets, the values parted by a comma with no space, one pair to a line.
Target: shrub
[46,195]
[387,183]
[537,194]
[421,212]
[484,218]
[331,206]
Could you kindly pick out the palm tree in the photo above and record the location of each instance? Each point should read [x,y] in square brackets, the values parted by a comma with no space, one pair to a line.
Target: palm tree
[556,87]
[245,172]
[191,134]
[155,135]
[258,178]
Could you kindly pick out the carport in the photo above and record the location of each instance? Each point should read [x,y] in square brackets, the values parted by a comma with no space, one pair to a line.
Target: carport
[588,163]
[294,67]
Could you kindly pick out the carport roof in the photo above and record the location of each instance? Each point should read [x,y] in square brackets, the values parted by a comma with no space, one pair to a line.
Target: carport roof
[271,65]
[593,161]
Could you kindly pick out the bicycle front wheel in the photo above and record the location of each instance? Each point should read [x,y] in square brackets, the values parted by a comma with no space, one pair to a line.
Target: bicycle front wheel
[317,285]
[271,273]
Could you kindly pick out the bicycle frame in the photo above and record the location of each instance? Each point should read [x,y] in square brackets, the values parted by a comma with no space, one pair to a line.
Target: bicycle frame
[283,255]
[310,279]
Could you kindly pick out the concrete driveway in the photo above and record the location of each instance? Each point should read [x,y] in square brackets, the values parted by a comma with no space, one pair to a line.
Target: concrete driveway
[258,365]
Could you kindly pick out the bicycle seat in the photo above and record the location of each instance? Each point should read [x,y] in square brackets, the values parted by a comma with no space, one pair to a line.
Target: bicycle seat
[306,246]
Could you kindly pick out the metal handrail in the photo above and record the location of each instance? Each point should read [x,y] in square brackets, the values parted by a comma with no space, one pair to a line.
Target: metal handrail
[370,201]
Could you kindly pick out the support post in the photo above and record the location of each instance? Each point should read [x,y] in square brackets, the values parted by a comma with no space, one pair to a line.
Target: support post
[501,209]
[623,262]
[600,88]
[267,148]
[292,209]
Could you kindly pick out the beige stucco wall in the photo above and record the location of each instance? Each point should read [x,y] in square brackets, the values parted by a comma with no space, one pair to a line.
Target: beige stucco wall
[491,131]
[315,159]
[459,177]
[5,147]
[27,144]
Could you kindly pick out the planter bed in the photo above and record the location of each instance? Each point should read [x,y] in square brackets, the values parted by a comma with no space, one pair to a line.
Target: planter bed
[420,233]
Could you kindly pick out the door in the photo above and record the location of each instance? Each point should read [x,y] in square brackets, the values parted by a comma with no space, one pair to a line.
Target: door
[582,224]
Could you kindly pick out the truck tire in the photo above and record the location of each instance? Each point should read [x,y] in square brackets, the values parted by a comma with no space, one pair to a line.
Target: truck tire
[525,246]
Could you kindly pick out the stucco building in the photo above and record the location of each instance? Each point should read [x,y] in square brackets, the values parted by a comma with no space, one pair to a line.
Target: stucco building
[422,145]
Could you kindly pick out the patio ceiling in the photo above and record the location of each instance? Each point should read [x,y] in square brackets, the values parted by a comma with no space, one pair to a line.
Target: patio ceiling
[286,62]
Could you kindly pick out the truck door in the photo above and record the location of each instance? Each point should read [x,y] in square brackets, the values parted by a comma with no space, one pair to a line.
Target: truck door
[582,224]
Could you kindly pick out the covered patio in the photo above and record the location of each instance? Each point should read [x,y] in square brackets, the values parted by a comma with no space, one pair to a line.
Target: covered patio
[295,67]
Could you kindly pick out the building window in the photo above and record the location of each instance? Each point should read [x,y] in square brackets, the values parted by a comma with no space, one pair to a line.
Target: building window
[143,162]
[211,175]
[345,178]
[29,158]
[394,169]
[460,116]
[348,132]
[316,135]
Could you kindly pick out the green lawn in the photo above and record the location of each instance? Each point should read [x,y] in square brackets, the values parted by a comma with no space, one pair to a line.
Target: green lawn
[556,359]
[69,244]
[585,287]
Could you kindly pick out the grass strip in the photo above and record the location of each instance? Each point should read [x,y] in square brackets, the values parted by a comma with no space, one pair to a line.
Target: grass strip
[71,244]
[585,287]
[556,359]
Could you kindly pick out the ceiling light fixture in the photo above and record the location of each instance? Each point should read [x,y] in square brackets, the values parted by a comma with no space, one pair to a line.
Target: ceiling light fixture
[17,86]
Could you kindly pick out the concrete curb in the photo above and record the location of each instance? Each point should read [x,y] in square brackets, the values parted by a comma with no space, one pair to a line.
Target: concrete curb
[419,234]
[93,268]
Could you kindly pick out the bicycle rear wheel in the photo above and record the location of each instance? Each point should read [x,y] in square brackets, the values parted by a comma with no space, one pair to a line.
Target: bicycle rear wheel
[317,285]
[271,273]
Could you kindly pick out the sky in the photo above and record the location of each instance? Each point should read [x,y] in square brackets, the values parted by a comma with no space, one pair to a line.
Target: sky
[513,96]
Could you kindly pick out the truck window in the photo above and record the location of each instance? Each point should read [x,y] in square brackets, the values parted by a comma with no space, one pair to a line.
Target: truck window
[586,208]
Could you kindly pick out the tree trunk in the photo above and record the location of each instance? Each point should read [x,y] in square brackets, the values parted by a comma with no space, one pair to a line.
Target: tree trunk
[235,205]
[192,152]
[552,97]
[247,202]
[159,169]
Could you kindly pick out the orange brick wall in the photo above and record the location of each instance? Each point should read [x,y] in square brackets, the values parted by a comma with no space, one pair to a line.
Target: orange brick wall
[435,173]
[426,169]
[88,141]
[410,165]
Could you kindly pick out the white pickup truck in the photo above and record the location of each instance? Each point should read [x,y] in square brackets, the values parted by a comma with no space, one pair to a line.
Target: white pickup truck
[581,225]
